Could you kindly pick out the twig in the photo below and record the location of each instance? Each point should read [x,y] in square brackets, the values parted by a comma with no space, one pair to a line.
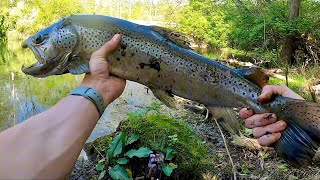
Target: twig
[287,72]
[227,149]
[97,150]
[207,114]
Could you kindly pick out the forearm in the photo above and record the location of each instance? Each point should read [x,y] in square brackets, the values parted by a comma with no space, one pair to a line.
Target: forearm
[48,144]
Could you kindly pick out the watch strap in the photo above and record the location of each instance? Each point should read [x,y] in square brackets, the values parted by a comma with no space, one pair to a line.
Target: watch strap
[93,95]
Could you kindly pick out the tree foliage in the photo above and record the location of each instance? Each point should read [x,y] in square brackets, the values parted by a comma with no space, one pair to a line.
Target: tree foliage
[248,25]
[28,16]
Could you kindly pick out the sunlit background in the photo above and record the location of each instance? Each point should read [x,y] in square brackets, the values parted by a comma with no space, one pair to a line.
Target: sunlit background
[254,31]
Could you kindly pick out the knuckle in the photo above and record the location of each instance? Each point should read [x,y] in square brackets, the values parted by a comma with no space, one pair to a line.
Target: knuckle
[263,141]
[94,54]
[258,131]
[249,123]
[245,113]
[281,125]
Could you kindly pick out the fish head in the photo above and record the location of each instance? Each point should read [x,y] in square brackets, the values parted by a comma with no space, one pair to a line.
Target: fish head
[53,48]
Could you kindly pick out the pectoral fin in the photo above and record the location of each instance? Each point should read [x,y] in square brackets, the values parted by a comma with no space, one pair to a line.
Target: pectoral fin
[165,97]
[255,74]
[227,117]
[78,66]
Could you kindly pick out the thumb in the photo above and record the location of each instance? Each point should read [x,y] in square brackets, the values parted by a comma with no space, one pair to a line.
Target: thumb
[268,91]
[108,47]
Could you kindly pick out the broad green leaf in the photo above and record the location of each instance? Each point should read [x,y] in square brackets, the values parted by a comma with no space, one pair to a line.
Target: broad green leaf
[141,152]
[102,174]
[167,169]
[247,132]
[117,145]
[169,153]
[133,138]
[122,161]
[100,166]
[173,165]
[118,173]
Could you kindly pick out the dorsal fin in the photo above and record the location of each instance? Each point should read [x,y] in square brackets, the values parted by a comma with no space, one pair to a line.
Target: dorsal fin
[175,37]
[255,74]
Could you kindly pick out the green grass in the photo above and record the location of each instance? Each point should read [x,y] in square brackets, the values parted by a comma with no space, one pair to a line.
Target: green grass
[298,85]
[193,157]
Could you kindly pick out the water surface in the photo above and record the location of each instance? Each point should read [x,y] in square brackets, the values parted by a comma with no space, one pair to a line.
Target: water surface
[23,96]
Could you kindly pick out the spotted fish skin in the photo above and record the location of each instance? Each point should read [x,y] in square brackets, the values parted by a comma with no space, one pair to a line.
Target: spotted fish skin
[147,56]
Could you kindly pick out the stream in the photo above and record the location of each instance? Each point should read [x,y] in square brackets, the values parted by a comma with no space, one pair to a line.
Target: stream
[23,96]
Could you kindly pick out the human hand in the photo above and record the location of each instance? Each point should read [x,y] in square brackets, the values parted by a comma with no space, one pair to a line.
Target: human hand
[109,86]
[266,127]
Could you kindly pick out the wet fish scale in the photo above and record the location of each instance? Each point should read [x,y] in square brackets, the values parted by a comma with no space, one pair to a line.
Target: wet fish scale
[151,56]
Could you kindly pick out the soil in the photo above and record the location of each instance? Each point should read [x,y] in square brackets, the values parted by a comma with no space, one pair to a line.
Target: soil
[259,164]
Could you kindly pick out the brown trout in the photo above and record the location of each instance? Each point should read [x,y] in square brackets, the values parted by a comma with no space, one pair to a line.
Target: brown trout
[160,59]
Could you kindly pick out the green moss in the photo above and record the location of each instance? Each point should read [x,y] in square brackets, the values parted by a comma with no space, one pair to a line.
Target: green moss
[192,156]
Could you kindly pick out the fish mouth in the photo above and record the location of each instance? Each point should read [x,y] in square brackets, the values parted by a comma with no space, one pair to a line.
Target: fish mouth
[40,68]
[36,52]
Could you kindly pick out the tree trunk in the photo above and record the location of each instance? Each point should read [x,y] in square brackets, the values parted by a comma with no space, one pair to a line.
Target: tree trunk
[288,48]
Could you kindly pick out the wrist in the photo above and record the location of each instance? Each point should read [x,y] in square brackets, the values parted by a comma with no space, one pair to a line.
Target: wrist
[110,87]
[92,95]
[98,85]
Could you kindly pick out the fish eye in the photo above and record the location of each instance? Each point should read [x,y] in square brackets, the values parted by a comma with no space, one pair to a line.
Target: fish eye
[40,38]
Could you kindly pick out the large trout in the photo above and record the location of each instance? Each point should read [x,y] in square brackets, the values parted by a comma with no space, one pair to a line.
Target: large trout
[161,60]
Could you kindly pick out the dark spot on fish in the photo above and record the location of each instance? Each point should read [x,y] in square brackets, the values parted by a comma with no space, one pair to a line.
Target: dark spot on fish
[170,92]
[118,59]
[123,46]
[155,66]
[142,65]
[123,53]
[132,54]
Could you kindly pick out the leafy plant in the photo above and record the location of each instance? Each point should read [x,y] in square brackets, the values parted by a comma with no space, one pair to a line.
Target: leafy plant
[245,170]
[118,159]
[283,167]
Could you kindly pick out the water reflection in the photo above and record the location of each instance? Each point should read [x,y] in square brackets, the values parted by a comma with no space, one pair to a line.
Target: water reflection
[23,96]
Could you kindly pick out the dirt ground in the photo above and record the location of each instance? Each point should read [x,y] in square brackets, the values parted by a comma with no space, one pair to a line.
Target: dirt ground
[250,164]
[262,164]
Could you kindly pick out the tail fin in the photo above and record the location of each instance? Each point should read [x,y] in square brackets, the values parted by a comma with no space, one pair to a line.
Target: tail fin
[301,139]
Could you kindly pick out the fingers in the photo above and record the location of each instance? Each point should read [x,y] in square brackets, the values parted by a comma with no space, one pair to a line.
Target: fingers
[269,129]
[246,113]
[269,90]
[265,126]
[108,47]
[269,139]
[259,120]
